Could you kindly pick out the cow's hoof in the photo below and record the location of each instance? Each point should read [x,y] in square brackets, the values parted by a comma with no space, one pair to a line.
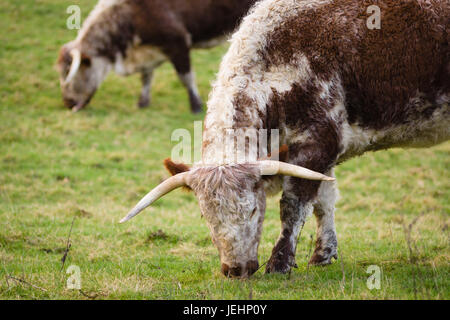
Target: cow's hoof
[143,103]
[277,268]
[323,257]
[280,264]
[196,104]
[196,108]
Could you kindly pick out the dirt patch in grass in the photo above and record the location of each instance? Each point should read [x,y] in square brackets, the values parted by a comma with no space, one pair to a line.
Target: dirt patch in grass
[160,235]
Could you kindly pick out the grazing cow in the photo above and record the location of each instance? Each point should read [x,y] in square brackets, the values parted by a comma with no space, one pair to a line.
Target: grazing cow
[335,89]
[130,36]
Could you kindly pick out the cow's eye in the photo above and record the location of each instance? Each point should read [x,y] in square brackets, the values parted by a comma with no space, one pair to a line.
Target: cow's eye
[86,62]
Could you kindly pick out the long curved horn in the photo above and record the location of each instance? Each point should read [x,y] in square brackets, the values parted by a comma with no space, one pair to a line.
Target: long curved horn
[76,62]
[165,187]
[270,168]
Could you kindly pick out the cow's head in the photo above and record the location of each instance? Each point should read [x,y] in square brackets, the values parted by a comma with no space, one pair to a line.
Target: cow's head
[80,75]
[232,200]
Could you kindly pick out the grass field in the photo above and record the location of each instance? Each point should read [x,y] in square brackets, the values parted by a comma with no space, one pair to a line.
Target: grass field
[96,164]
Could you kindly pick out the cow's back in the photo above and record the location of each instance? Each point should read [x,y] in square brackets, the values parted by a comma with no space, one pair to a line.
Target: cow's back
[204,20]
[384,72]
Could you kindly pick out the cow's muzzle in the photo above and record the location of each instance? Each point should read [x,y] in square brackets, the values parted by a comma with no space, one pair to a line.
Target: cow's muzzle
[69,103]
[240,271]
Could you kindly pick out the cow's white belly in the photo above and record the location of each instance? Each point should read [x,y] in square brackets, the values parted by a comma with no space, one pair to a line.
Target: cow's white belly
[416,134]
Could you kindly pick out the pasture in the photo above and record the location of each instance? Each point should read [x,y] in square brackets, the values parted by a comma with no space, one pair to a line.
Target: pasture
[394,210]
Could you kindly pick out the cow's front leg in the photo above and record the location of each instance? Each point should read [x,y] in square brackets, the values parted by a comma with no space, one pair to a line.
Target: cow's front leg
[145,97]
[293,214]
[326,242]
[300,195]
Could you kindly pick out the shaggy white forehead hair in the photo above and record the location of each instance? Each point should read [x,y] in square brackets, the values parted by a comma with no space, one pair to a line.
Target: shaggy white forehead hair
[226,187]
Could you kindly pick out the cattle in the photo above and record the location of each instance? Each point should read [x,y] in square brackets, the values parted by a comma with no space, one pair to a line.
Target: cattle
[335,89]
[136,36]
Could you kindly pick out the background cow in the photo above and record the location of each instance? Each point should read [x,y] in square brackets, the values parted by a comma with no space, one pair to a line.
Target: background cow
[130,36]
[334,89]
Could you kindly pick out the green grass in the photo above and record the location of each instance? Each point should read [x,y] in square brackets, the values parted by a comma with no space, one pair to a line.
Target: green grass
[96,164]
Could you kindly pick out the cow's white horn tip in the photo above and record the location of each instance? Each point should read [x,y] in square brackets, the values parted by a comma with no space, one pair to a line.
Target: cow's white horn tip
[124,220]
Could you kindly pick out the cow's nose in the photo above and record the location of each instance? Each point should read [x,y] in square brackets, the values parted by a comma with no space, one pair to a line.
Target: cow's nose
[231,271]
[237,271]
[69,103]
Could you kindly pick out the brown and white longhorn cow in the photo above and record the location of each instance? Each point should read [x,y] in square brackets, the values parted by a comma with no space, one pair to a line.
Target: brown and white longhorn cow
[335,89]
[131,36]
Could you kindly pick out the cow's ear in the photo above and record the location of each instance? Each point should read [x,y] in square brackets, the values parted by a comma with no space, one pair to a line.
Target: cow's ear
[176,168]
[279,155]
